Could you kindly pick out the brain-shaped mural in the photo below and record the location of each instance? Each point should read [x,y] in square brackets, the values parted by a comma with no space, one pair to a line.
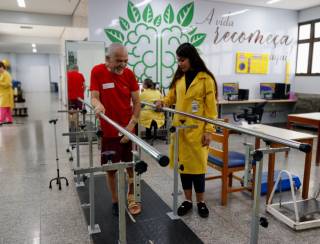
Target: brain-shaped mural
[152,39]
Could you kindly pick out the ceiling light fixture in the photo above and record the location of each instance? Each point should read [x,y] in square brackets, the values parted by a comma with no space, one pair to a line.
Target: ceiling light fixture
[21,3]
[272,1]
[33,45]
[26,27]
[235,13]
[34,50]
[142,3]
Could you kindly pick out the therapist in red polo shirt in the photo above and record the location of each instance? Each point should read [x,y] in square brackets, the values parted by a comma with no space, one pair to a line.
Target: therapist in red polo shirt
[75,87]
[115,92]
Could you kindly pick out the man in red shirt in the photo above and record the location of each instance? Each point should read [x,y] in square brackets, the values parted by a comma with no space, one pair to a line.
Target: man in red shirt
[75,87]
[113,89]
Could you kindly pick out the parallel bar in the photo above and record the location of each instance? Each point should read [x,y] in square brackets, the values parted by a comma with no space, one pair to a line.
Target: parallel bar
[162,159]
[290,143]
[105,167]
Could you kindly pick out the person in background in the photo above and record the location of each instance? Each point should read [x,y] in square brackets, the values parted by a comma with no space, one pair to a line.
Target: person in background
[113,89]
[148,117]
[75,87]
[193,90]
[6,96]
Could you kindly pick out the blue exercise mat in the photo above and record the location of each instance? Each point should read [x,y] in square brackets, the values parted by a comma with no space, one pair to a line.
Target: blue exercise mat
[285,183]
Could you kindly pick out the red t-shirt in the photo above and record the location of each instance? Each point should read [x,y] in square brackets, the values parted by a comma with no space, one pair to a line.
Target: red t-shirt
[75,85]
[115,95]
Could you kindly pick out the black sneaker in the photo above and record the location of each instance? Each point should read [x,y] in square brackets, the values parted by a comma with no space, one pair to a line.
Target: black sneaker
[202,210]
[115,209]
[184,208]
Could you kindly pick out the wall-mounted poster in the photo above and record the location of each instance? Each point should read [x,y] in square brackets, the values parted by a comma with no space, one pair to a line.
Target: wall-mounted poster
[252,63]
[259,64]
[242,63]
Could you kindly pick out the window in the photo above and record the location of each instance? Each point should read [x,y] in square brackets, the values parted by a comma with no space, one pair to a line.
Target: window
[308,55]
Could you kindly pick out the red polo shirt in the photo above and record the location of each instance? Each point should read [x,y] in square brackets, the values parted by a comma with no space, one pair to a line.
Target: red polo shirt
[115,95]
[75,85]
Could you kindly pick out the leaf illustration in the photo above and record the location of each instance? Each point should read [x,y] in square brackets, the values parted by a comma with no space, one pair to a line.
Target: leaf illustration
[185,14]
[197,39]
[193,31]
[133,13]
[168,15]
[124,24]
[147,14]
[157,21]
[114,35]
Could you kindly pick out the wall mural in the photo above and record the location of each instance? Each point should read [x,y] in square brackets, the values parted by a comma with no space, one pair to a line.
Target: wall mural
[152,38]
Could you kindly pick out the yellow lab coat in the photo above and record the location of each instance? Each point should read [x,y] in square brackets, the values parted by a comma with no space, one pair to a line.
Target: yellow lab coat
[147,114]
[6,91]
[200,100]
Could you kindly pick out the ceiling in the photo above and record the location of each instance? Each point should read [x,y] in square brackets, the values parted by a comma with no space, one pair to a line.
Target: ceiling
[78,8]
[283,4]
[36,31]
[64,7]
[47,38]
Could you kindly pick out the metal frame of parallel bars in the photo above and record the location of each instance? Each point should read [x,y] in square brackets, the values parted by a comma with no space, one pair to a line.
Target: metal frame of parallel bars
[162,160]
[256,154]
[90,135]
[77,128]
[175,194]
[303,219]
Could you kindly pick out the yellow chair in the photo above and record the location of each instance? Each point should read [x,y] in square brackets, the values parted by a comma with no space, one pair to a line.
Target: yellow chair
[225,161]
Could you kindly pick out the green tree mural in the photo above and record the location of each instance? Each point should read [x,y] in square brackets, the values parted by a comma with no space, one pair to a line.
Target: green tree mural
[151,39]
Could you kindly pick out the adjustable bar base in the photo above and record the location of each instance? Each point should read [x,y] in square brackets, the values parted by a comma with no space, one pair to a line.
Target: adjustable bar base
[309,213]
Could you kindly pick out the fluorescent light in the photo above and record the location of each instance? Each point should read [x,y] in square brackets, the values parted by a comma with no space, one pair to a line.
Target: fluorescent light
[142,3]
[33,45]
[235,13]
[21,3]
[34,50]
[26,27]
[272,1]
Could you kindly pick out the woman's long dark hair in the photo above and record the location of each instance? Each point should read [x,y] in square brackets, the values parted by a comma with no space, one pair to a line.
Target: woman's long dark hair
[187,50]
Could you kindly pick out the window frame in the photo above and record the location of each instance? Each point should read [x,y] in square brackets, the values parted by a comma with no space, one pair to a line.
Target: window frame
[311,42]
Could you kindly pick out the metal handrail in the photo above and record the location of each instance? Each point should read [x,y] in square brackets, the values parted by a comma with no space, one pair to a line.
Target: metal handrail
[163,160]
[304,147]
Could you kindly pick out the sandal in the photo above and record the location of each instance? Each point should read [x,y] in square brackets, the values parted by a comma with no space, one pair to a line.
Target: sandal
[133,206]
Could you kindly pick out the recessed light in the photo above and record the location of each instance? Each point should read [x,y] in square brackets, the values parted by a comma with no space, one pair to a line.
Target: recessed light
[26,27]
[235,13]
[34,50]
[272,1]
[21,3]
[33,45]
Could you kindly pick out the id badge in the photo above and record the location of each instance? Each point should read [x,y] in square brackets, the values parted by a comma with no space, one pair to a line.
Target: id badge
[195,106]
[107,86]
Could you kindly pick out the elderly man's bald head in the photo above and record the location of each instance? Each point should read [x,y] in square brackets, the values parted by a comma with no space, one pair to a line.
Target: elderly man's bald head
[115,48]
[117,58]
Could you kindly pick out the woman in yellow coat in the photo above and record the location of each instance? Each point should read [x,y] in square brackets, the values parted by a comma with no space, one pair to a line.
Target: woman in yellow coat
[148,117]
[193,90]
[6,96]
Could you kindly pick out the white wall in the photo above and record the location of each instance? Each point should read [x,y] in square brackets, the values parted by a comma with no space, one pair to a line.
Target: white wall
[309,14]
[54,68]
[308,84]
[219,57]
[34,78]
[35,71]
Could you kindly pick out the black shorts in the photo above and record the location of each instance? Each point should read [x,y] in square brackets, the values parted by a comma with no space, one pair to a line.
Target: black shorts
[198,182]
[74,104]
[123,151]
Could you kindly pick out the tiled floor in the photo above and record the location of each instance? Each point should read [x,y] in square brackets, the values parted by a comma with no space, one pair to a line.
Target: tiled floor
[30,213]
